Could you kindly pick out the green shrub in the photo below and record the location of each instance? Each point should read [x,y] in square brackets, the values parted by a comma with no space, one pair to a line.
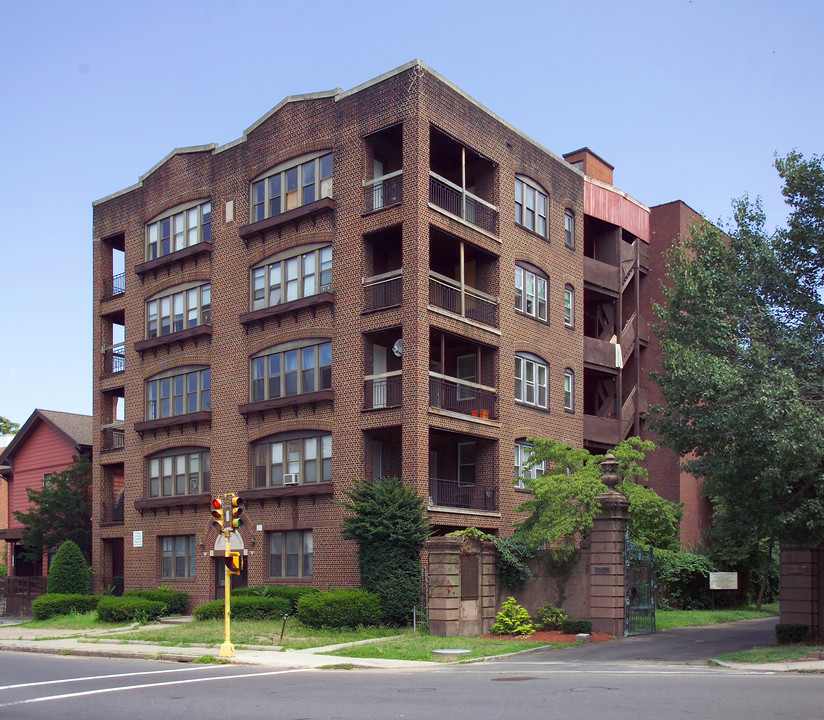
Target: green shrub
[788,633]
[245,607]
[682,580]
[576,627]
[292,593]
[52,604]
[549,617]
[129,609]
[513,620]
[176,601]
[3,571]
[69,573]
[340,609]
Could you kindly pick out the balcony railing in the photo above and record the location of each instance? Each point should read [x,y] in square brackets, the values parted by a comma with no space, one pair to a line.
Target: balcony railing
[452,493]
[113,510]
[382,391]
[464,204]
[113,439]
[472,304]
[114,286]
[384,191]
[462,397]
[383,291]
[114,359]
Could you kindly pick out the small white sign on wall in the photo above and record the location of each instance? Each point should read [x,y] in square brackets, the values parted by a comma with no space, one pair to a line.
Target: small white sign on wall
[723,581]
[137,538]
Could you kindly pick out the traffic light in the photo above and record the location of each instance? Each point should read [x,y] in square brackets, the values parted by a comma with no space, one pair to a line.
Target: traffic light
[233,562]
[217,514]
[238,506]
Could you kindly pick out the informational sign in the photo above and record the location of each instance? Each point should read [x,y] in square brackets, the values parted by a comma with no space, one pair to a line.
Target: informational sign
[723,581]
[137,538]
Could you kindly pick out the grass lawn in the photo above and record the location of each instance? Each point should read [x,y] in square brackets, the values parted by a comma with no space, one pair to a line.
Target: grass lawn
[777,653]
[412,646]
[668,619]
[78,621]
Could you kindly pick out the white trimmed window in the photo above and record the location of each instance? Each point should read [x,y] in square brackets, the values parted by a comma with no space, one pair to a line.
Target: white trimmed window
[290,276]
[569,390]
[523,451]
[180,472]
[531,378]
[291,369]
[291,185]
[178,392]
[569,306]
[180,228]
[531,206]
[297,459]
[531,290]
[569,229]
[177,556]
[184,307]
[290,554]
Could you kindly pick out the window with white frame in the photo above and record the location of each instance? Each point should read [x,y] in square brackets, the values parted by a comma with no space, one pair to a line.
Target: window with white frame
[291,369]
[569,229]
[531,379]
[290,276]
[531,290]
[569,390]
[523,467]
[178,309]
[180,228]
[177,556]
[290,553]
[531,206]
[291,185]
[179,472]
[178,392]
[297,459]
[569,306]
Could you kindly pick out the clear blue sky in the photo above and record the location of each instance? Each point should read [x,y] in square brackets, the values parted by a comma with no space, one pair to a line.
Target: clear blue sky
[688,99]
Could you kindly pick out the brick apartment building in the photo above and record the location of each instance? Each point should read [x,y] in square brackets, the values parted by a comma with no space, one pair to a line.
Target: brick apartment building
[389,280]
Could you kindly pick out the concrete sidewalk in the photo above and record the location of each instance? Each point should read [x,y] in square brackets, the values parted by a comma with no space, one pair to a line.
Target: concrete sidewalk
[85,643]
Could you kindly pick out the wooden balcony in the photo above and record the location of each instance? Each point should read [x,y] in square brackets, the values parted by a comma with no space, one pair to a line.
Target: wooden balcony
[459,396]
[463,204]
[383,291]
[452,493]
[470,303]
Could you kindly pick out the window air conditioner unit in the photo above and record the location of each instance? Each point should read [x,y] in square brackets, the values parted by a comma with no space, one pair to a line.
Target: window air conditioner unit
[291,478]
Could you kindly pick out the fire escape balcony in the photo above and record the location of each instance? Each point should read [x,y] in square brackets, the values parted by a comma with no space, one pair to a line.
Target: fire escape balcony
[114,286]
[383,291]
[383,192]
[382,391]
[467,302]
[462,397]
[453,493]
[114,359]
[462,203]
[114,437]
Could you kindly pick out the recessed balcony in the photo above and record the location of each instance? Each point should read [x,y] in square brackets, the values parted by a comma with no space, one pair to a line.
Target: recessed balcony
[114,286]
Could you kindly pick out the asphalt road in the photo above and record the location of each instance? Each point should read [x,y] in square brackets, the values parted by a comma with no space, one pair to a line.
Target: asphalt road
[39,687]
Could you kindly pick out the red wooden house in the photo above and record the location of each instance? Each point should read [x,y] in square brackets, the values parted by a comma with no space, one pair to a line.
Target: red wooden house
[43,447]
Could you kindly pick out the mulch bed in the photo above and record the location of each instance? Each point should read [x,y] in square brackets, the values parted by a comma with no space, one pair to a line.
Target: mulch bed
[550,636]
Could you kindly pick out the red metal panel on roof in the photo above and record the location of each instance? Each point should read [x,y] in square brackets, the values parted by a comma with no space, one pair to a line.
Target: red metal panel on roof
[616,208]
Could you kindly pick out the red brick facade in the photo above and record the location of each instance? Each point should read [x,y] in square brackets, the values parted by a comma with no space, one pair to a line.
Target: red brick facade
[426,255]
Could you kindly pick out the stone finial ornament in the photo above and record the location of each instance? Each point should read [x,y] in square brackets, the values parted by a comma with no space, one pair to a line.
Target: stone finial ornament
[609,476]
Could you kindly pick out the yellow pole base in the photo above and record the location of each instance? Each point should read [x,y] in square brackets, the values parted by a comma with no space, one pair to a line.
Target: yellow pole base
[227,650]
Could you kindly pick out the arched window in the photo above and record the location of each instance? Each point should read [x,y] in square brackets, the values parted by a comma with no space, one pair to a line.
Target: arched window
[531,206]
[299,458]
[569,228]
[182,307]
[291,369]
[178,392]
[292,184]
[531,380]
[296,273]
[179,228]
[569,390]
[181,471]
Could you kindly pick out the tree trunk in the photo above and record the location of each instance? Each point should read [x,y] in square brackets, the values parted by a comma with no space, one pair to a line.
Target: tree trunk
[765,575]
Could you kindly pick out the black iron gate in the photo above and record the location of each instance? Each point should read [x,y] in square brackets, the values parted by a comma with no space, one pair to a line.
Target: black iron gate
[639,589]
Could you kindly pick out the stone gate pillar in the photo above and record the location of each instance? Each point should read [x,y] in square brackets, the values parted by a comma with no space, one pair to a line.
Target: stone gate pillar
[607,555]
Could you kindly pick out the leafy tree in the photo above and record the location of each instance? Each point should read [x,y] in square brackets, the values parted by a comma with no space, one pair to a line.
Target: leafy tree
[7,427]
[742,334]
[563,506]
[69,573]
[386,519]
[61,511]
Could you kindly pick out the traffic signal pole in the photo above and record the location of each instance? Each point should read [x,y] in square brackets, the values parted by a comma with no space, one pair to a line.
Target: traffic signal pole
[227,649]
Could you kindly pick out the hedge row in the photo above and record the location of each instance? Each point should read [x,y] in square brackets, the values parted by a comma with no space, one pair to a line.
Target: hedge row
[129,609]
[291,593]
[245,607]
[340,609]
[51,604]
[176,601]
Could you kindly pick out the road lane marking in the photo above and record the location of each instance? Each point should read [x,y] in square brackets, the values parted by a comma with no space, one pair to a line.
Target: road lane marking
[102,691]
[99,677]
